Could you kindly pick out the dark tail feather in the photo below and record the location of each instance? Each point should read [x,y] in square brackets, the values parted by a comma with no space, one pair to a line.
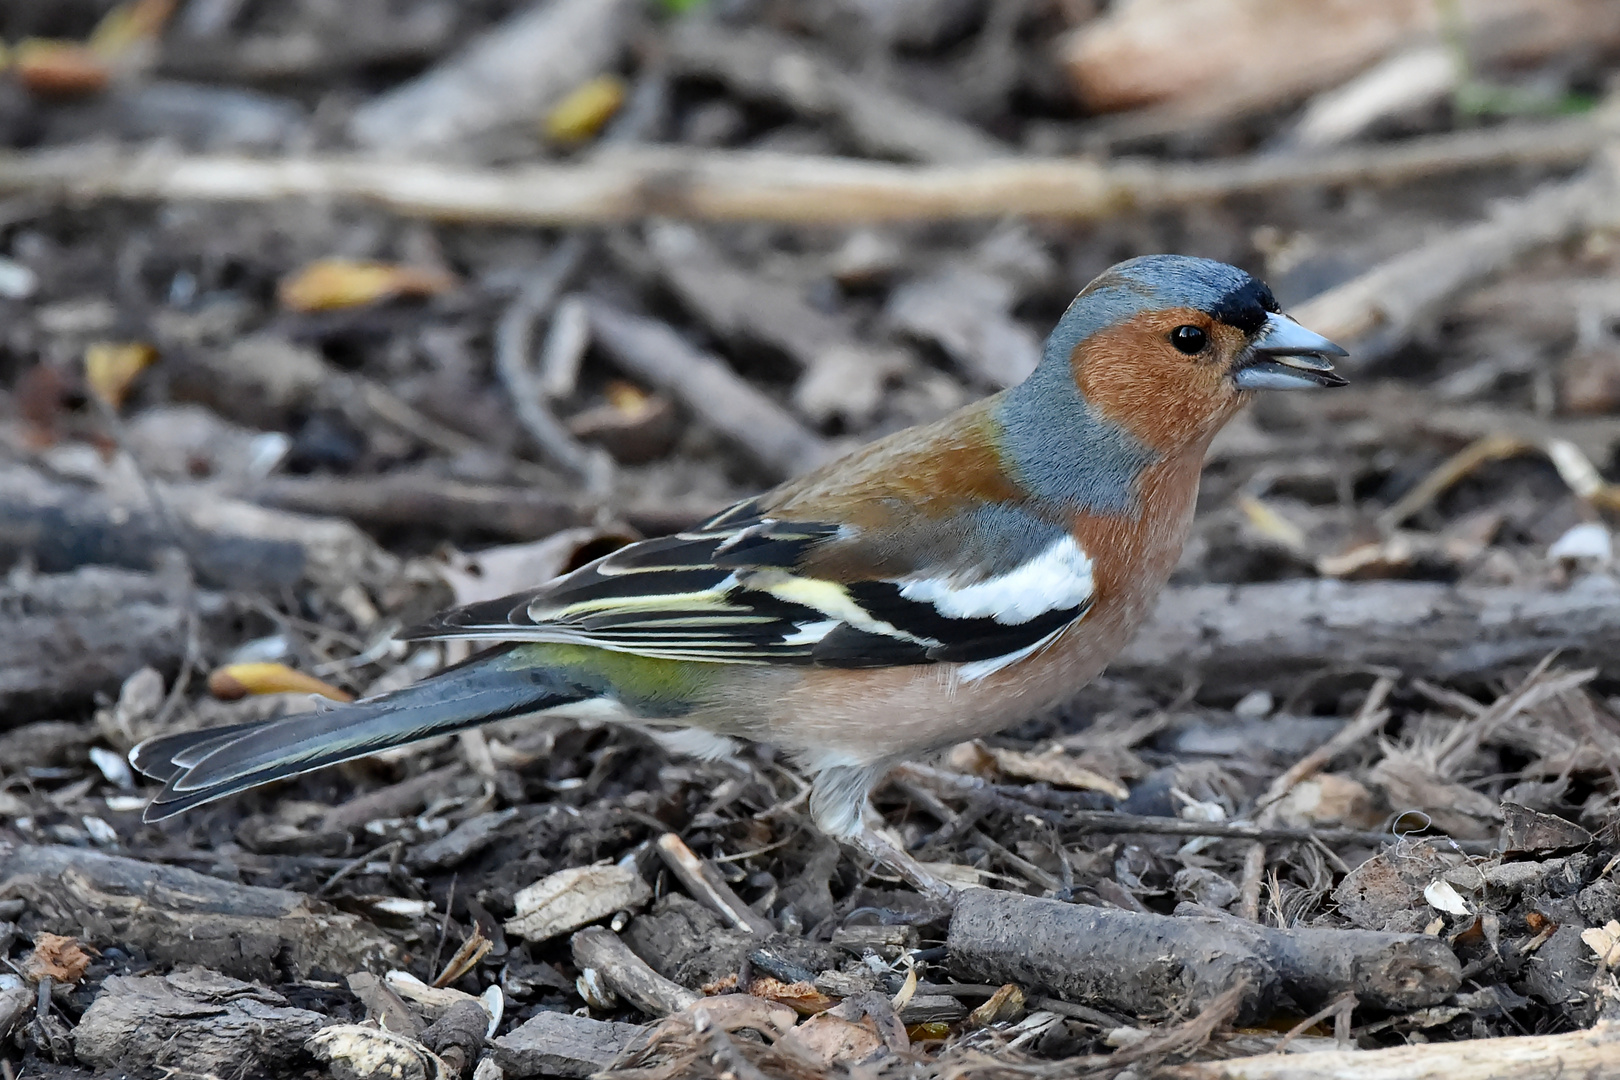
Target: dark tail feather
[200,766]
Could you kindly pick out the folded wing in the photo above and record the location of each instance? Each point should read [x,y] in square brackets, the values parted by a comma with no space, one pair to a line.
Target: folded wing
[743,589]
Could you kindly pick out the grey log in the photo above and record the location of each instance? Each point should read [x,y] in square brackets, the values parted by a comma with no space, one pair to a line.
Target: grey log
[1235,638]
[183,917]
[1317,964]
[1145,965]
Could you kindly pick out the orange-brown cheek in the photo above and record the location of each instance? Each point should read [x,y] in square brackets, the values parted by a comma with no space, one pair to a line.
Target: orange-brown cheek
[1132,375]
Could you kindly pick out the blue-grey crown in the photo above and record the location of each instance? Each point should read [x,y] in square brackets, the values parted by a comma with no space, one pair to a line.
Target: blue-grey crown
[1053,441]
[1160,281]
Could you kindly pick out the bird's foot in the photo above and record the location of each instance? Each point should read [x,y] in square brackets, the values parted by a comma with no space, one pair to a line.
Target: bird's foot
[871,843]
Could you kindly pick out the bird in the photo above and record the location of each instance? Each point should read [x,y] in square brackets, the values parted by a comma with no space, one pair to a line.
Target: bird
[934,586]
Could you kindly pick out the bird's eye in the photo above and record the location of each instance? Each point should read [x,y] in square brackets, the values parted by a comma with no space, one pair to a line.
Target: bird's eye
[1189,339]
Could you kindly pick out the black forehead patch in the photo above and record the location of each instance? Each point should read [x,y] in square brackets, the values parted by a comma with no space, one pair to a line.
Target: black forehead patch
[1245,306]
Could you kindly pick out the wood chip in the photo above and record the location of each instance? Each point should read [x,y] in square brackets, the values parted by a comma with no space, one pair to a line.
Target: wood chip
[572,898]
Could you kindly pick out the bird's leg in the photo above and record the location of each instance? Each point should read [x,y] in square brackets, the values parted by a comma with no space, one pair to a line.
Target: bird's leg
[838,804]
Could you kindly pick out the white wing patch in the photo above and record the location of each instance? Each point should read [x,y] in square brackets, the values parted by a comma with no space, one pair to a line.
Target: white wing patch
[1057,579]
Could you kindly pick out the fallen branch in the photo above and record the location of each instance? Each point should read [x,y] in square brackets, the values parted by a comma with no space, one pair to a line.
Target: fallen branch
[183,917]
[599,949]
[1318,965]
[654,353]
[1236,638]
[229,544]
[1593,1055]
[69,637]
[624,185]
[762,64]
[1379,307]
[412,499]
[1151,964]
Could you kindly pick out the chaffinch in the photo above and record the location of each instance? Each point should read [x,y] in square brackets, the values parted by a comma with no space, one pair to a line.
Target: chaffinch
[934,586]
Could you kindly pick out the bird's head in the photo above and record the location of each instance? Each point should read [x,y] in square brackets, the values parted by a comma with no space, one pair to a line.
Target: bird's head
[1168,347]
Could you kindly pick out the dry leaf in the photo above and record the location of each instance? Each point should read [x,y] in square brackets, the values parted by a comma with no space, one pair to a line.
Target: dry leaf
[1605,942]
[54,68]
[1328,799]
[330,284]
[235,681]
[1271,525]
[110,368]
[129,24]
[1005,1004]
[802,997]
[62,959]
[828,1039]
[581,114]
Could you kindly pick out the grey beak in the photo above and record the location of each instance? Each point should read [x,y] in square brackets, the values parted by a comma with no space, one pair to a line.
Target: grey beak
[1286,356]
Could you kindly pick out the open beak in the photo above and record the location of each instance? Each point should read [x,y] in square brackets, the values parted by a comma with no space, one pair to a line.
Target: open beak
[1286,356]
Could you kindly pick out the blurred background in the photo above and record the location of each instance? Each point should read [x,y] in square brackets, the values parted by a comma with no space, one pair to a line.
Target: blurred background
[649,255]
[319,315]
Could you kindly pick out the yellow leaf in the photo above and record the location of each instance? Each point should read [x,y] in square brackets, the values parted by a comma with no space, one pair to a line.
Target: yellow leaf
[109,368]
[329,284]
[1605,941]
[627,398]
[1266,521]
[240,680]
[583,112]
[1005,1004]
[128,24]
[55,68]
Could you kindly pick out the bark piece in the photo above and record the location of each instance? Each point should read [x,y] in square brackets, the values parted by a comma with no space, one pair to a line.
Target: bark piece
[462,842]
[559,1044]
[194,1021]
[1143,964]
[183,917]
[569,899]
[1526,830]
[1386,891]
[384,1006]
